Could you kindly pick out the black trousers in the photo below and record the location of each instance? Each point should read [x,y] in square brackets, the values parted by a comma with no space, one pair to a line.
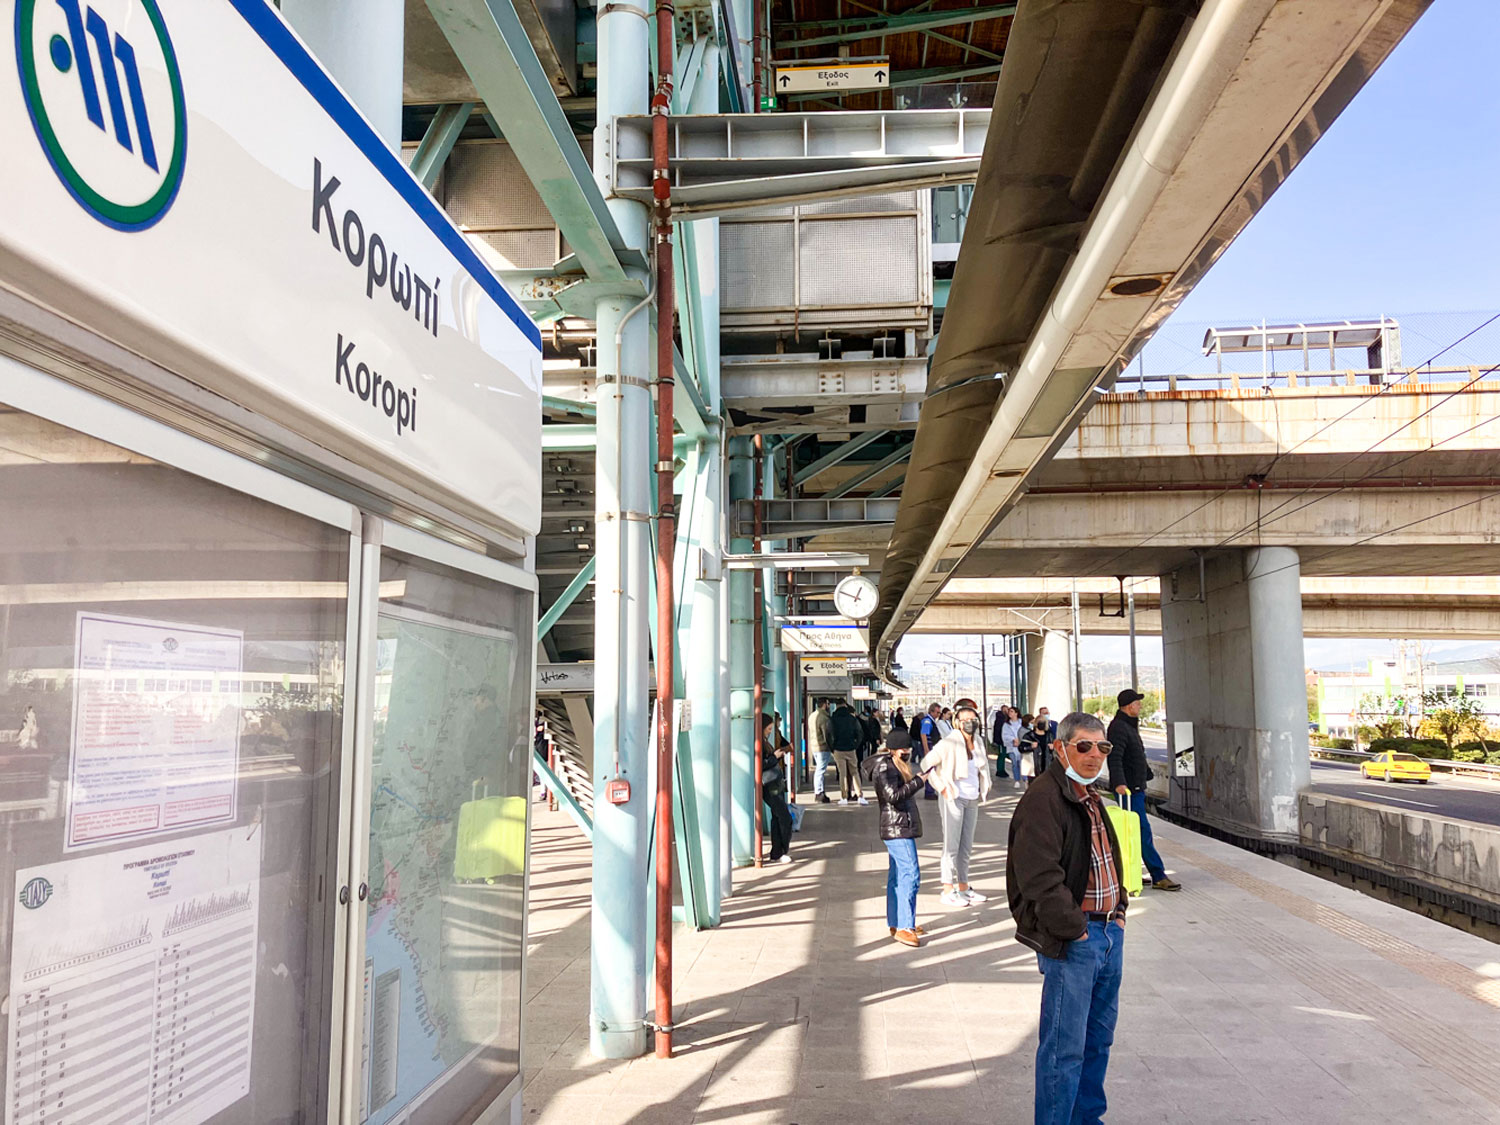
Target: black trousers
[781,825]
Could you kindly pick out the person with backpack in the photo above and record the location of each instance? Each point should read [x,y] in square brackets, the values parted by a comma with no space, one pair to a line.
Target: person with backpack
[775,761]
[847,734]
[927,735]
[896,782]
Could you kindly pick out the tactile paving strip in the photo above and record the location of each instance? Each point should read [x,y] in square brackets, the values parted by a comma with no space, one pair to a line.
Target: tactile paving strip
[1460,978]
[1440,1045]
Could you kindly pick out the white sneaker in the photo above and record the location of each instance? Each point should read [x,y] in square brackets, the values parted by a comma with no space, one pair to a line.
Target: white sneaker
[785,859]
[863,801]
[954,898]
[975,896]
[843,800]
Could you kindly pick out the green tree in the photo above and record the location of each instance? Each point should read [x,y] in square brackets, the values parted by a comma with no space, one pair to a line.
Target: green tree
[1452,716]
[1379,716]
[1314,714]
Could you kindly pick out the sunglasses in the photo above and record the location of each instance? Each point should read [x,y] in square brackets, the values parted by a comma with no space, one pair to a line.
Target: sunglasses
[1087,747]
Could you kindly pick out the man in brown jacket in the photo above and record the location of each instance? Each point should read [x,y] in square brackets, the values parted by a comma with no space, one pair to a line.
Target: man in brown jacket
[1066,885]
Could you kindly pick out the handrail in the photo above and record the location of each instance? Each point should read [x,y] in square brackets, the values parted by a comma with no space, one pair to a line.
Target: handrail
[1351,377]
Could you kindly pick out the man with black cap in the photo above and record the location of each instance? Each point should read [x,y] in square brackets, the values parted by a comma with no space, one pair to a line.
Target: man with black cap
[1128,774]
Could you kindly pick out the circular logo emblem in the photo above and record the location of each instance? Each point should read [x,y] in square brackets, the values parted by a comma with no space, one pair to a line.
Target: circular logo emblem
[35,893]
[101,82]
[170,644]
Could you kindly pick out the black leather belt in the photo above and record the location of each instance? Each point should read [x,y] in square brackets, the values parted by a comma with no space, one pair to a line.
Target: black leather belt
[1094,916]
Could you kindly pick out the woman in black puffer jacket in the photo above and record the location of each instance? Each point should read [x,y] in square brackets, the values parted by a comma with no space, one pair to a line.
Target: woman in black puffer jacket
[897,784]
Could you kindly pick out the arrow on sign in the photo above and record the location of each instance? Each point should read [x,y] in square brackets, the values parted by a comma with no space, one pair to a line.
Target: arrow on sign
[880,76]
[786,80]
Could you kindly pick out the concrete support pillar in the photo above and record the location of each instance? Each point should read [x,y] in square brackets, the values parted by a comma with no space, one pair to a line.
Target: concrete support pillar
[620,944]
[1049,672]
[1234,669]
[741,670]
[361,43]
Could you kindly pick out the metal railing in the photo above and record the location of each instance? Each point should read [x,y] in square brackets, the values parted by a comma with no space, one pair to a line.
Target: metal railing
[1133,382]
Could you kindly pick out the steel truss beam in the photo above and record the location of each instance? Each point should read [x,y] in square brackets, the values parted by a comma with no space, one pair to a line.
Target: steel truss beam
[787,519]
[753,383]
[491,43]
[854,28]
[565,599]
[834,456]
[848,486]
[442,134]
[724,162]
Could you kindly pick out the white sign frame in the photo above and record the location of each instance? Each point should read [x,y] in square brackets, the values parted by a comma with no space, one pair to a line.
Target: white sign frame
[837,74]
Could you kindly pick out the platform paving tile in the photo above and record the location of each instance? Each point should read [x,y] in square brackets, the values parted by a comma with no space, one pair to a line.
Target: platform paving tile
[1260,993]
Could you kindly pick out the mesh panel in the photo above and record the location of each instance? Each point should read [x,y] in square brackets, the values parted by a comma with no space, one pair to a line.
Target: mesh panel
[524,249]
[863,204]
[755,265]
[859,262]
[486,187]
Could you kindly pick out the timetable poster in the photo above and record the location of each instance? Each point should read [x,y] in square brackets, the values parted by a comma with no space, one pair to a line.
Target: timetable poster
[156,729]
[133,984]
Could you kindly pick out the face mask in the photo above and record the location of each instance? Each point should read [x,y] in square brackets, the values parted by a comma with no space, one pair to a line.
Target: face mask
[970,726]
[1078,777]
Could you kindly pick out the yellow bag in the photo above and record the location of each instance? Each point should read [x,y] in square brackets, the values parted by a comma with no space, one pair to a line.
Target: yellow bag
[1127,827]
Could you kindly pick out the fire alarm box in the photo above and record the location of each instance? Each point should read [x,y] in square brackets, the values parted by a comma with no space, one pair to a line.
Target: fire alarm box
[617,792]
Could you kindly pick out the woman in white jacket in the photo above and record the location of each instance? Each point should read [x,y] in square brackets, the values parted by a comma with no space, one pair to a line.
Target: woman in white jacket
[960,774]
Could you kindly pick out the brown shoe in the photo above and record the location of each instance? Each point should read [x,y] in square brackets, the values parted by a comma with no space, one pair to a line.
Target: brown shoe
[1165,885]
[918,930]
[908,937]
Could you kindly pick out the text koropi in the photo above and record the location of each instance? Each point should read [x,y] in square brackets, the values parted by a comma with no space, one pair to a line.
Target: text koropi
[383,268]
[369,386]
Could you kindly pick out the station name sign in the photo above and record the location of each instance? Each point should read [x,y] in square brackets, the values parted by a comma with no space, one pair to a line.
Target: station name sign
[287,261]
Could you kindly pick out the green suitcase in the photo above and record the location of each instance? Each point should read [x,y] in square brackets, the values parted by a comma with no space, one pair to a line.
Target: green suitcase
[1127,827]
[491,839]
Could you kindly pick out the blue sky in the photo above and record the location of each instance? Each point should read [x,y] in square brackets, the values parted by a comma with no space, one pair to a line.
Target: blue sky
[1393,210]
[1395,207]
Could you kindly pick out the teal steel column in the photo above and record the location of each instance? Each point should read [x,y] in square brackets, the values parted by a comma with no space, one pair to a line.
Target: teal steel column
[741,671]
[620,945]
[362,44]
[775,659]
[700,642]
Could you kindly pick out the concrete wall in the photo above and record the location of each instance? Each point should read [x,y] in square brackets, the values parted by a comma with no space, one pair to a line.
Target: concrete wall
[1233,666]
[1460,856]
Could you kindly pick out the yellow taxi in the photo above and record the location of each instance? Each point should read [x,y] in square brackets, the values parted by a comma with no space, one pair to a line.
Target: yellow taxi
[1394,766]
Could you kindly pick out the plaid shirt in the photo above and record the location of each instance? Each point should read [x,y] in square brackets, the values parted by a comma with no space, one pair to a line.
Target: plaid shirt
[1103,894]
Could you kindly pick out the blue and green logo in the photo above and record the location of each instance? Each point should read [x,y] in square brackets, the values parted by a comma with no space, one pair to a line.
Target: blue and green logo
[104,91]
[36,892]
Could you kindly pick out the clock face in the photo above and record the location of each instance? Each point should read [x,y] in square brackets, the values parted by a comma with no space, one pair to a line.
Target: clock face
[856,597]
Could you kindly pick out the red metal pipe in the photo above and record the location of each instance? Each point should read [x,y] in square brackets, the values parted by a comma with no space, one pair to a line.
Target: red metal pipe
[760,656]
[666,525]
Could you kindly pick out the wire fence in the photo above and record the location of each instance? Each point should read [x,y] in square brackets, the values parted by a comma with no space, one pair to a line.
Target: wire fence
[1423,347]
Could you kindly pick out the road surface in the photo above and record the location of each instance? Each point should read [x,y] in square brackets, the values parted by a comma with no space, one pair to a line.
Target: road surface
[1453,798]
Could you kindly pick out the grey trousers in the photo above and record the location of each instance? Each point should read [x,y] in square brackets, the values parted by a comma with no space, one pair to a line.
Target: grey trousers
[959,818]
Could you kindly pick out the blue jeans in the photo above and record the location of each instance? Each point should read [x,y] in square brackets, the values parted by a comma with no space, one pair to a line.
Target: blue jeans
[1080,999]
[902,884]
[1148,845]
[822,759]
